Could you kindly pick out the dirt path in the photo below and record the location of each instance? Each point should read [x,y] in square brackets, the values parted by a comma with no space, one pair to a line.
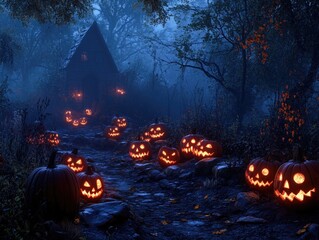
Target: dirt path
[178,204]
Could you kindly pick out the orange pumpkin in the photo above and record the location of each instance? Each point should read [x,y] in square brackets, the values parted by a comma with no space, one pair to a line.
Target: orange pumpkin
[207,148]
[157,131]
[188,143]
[140,150]
[52,138]
[112,132]
[120,122]
[74,161]
[168,156]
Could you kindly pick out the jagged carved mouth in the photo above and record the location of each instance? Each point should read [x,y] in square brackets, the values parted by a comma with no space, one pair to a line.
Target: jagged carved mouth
[291,196]
[122,125]
[165,160]
[187,149]
[201,153]
[139,155]
[156,135]
[257,182]
[76,169]
[92,194]
[114,134]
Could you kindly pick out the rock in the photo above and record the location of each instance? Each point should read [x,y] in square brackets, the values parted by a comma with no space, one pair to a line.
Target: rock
[104,214]
[144,167]
[155,175]
[312,232]
[186,174]
[245,199]
[204,167]
[250,219]
[165,184]
[223,172]
[172,171]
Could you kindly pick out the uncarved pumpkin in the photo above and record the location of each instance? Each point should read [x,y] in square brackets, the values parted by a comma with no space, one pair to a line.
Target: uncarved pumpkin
[53,191]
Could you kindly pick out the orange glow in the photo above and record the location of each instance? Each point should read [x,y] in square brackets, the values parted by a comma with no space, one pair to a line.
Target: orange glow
[88,112]
[77,95]
[83,121]
[68,119]
[299,196]
[120,91]
[75,123]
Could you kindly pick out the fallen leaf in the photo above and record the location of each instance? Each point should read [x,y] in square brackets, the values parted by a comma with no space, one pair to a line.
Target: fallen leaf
[206,197]
[164,222]
[173,200]
[196,206]
[303,229]
[184,220]
[77,220]
[220,232]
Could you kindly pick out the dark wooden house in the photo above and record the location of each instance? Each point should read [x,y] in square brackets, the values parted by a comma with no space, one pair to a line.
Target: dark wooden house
[91,75]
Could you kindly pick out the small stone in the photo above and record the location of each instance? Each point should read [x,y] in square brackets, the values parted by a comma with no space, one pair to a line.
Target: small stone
[204,166]
[172,171]
[165,184]
[186,175]
[250,219]
[245,199]
[156,175]
[106,213]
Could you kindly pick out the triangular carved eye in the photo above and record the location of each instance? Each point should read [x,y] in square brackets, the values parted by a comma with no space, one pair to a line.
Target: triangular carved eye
[69,159]
[164,153]
[209,146]
[142,146]
[158,129]
[193,141]
[280,177]
[98,184]
[79,161]
[251,168]
[173,154]
[86,184]
[184,141]
[133,146]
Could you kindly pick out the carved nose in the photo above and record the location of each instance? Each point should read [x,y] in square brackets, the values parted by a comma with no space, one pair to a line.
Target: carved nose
[286,185]
[93,190]
[257,176]
[137,150]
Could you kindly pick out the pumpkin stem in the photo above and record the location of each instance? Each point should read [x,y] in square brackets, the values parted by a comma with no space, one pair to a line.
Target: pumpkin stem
[75,151]
[90,170]
[298,154]
[52,159]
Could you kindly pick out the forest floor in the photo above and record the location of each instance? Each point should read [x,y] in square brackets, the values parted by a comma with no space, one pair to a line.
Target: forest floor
[181,203]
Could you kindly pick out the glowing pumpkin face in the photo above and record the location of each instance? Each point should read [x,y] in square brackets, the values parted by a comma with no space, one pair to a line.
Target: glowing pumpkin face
[296,183]
[68,119]
[52,138]
[75,123]
[74,161]
[120,122]
[188,143]
[157,131]
[145,136]
[168,156]
[88,112]
[83,121]
[207,148]
[260,173]
[91,185]
[140,150]
[113,132]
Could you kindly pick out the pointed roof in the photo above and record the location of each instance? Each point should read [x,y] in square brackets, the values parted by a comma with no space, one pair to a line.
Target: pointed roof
[93,29]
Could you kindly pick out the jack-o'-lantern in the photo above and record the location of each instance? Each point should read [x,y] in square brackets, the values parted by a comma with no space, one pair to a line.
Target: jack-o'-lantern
[88,112]
[74,161]
[91,185]
[188,143]
[260,173]
[120,122]
[168,156]
[68,113]
[36,132]
[207,148]
[83,121]
[145,136]
[140,150]
[52,138]
[68,119]
[113,132]
[296,182]
[157,131]
[75,123]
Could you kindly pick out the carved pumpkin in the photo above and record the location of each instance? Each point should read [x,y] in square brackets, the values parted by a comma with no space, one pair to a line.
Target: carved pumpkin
[52,138]
[145,136]
[74,161]
[188,143]
[157,131]
[91,185]
[207,148]
[140,150]
[36,132]
[120,122]
[75,123]
[260,173]
[83,121]
[88,112]
[68,113]
[113,132]
[53,191]
[297,182]
[68,119]
[168,156]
